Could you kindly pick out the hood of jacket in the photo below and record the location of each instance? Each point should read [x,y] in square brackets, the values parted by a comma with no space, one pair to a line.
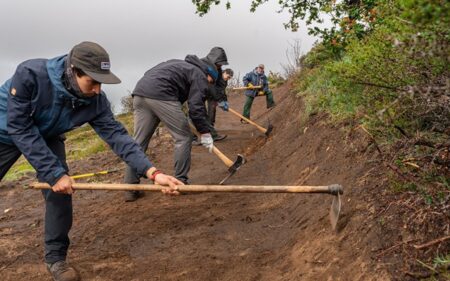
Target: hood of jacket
[207,68]
[217,55]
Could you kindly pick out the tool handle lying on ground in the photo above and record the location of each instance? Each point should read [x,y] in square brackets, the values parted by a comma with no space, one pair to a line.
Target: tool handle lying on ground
[262,129]
[247,88]
[94,174]
[330,189]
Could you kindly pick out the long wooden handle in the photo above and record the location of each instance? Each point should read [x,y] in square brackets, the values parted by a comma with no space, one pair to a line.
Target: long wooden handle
[262,129]
[248,88]
[223,157]
[216,151]
[204,188]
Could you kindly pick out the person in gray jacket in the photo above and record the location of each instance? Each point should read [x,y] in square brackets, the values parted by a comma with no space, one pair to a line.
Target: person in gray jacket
[159,97]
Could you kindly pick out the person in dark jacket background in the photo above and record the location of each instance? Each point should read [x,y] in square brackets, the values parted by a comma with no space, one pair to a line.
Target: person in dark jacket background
[217,97]
[256,78]
[158,97]
[43,100]
[216,91]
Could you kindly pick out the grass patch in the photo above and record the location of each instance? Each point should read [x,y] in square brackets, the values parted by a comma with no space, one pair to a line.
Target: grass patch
[80,143]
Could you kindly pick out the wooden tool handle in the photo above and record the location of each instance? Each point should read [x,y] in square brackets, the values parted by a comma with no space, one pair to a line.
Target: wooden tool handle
[202,188]
[247,88]
[216,151]
[223,157]
[264,130]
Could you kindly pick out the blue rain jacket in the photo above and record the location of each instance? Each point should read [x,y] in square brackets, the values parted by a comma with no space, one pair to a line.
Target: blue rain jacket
[35,106]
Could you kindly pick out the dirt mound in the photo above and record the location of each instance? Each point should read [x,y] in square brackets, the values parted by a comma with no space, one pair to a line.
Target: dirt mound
[212,236]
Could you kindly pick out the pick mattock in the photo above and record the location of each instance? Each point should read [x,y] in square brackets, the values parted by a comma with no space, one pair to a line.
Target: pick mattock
[247,88]
[232,166]
[262,129]
[334,189]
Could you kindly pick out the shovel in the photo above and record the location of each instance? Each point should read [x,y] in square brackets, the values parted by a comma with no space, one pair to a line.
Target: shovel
[262,129]
[334,189]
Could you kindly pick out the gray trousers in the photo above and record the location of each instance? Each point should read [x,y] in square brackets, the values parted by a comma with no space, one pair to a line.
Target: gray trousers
[58,207]
[148,113]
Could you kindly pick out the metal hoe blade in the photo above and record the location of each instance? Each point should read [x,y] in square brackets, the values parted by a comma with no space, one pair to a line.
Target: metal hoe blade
[233,168]
[335,210]
[269,130]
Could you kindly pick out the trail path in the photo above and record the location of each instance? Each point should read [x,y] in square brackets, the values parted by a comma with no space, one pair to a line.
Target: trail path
[212,236]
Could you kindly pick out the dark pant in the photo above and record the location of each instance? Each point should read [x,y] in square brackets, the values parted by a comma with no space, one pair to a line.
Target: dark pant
[249,101]
[58,207]
[211,117]
[212,105]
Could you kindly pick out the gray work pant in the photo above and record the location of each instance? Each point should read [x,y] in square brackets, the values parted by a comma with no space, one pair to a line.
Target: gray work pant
[148,113]
[58,207]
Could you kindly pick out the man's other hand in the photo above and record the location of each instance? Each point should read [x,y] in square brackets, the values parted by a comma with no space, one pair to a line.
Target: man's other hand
[64,185]
[170,183]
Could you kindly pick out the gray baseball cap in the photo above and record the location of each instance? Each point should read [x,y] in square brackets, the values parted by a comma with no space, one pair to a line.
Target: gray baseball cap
[94,61]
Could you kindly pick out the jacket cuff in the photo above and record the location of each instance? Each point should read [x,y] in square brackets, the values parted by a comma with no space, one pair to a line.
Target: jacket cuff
[53,177]
[143,172]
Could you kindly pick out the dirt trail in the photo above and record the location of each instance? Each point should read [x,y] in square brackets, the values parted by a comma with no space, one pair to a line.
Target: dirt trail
[219,236]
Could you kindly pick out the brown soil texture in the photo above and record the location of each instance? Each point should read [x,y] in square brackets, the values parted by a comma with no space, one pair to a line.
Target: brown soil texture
[223,236]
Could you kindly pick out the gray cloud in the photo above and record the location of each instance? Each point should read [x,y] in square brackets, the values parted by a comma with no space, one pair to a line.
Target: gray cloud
[138,34]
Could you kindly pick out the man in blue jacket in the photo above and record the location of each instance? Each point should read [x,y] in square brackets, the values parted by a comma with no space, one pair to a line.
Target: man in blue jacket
[43,100]
[159,97]
[257,79]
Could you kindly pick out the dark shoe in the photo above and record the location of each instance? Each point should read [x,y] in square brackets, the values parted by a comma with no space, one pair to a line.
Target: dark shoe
[61,271]
[243,121]
[219,137]
[271,106]
[131,196]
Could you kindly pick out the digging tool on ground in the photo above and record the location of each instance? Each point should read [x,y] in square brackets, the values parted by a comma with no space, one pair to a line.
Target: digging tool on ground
[232,166]
[262,129]
[335,189]
[94,174]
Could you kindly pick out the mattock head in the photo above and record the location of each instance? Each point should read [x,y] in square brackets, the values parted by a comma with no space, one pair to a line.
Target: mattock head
[233,168]
[269,130]
[336,190]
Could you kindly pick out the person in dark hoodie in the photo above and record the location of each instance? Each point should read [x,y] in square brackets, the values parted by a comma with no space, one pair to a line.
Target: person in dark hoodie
[216,92]
[46,98]
[159,97]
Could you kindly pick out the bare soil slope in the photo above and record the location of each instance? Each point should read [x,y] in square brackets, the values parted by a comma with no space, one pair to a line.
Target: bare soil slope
[219,236]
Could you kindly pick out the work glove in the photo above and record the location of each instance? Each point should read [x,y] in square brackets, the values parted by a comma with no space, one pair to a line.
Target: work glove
[250,85]
[224,105]
[261,93]
[207,141]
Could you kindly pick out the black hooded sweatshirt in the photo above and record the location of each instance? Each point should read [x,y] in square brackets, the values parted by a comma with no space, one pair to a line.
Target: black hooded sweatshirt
[216,92]
[178,80]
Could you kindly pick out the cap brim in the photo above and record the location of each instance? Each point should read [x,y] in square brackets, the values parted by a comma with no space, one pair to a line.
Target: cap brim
[109,78]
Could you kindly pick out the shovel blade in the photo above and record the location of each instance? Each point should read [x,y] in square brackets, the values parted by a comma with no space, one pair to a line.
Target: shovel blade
[335,210]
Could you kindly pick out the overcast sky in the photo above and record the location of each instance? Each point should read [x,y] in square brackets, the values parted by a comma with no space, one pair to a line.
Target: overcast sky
[138,34]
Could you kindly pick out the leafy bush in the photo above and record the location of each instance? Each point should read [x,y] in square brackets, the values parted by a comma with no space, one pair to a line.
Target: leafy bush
[395,81]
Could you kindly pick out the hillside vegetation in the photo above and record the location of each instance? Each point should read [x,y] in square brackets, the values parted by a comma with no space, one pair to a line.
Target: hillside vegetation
[391,80]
